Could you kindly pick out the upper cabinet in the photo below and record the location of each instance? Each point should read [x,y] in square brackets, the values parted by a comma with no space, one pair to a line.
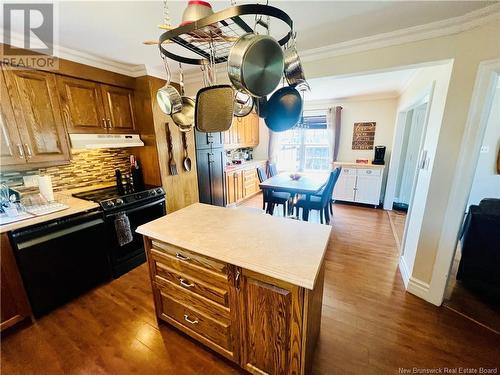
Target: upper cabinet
[118,103]
[244,132]
[91,107]
[36,109]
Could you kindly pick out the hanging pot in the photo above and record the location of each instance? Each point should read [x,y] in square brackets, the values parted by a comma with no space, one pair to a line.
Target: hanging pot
[294,73]
[168,98]
[185,118]
[243,104]
[255,64]
[284,109]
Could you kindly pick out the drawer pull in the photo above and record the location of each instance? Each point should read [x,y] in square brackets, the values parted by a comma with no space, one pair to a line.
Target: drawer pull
[185,283]
[186,318]
[182,257]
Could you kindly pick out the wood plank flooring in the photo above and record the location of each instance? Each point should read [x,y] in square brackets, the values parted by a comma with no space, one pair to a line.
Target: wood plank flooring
[369,324]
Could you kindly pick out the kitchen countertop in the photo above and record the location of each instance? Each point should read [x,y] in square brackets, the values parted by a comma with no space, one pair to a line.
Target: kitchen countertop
[285,249]
[235,167]
[358,165]
[75,206]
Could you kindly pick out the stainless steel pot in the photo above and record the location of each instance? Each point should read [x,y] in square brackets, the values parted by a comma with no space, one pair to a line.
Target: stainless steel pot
[255,64]
[294,73]
[243,104]
[185,118]
[168,97]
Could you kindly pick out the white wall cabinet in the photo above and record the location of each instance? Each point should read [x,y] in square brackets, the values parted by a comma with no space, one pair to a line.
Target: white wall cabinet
[359,183]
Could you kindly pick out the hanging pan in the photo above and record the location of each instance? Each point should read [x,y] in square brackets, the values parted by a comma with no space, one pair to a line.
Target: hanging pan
[185,118]
[168,98]
[284,109]
[214,103]
[243,104]
[294,73]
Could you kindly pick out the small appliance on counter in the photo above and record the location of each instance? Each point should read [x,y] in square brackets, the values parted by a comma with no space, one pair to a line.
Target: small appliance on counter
[379,155]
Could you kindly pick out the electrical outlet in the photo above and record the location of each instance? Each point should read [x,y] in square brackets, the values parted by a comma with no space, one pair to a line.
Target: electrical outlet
[485,149]
[31,180]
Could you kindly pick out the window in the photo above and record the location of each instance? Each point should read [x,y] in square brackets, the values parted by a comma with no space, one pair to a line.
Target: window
[305,149]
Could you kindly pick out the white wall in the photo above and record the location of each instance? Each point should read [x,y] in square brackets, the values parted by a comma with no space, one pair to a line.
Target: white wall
[381,110]
[486,180]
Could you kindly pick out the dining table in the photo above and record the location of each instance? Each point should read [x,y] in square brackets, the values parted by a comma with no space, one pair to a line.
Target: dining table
[307,185]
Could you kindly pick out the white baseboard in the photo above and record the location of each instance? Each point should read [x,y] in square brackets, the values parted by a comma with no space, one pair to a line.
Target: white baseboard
[419,288]
[405,273]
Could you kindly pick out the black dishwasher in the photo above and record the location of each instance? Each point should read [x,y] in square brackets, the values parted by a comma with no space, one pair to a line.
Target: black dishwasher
[61,259]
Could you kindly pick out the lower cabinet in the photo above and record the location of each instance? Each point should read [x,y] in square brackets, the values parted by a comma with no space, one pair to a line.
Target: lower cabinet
[359,184]
[14,301]
[265,325]
[241,184]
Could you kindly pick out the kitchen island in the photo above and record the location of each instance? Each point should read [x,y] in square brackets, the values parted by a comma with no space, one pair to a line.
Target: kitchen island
[247,285]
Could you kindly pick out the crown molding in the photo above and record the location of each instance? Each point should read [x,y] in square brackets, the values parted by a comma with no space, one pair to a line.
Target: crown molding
[431,30]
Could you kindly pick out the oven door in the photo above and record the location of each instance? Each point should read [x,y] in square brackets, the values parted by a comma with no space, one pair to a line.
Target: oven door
[125,258]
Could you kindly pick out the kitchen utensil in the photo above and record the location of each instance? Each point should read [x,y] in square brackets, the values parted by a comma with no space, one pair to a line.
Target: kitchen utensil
[284,109]
[261,106]
[243,104]
[168,97]
[255,64]
[185,118]
[294,73]
[171,161]
[187,160]
[214,108]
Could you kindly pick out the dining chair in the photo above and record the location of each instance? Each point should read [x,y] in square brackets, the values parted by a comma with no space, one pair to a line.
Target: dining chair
[321,201]
[272,198]
[273,170]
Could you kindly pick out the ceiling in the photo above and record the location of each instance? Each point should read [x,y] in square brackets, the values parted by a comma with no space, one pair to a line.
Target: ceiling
[115,30]
[380,84]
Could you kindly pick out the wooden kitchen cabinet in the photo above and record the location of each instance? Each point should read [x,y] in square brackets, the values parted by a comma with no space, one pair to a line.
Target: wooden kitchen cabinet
[119,107]
[11,148]
[91,107]
[38,117]
[242,183]
[82,105]
[244,132]
[14,304]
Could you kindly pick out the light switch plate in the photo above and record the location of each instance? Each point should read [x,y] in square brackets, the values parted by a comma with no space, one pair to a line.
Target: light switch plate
[485,149]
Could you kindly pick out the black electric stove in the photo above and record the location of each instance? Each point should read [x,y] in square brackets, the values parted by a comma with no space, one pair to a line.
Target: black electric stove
[140,207]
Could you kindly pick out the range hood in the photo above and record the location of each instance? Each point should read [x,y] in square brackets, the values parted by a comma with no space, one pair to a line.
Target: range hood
[89,141]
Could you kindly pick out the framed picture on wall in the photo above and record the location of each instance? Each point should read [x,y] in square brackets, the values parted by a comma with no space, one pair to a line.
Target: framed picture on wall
[363,135]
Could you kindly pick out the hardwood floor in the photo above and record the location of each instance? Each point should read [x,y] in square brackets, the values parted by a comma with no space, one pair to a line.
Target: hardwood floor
[369,324]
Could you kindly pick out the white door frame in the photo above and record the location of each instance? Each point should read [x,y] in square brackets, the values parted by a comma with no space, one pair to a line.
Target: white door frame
[482,97]
[392,174]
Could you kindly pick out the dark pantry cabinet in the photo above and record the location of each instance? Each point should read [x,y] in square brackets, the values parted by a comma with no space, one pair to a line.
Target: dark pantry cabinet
[210,165]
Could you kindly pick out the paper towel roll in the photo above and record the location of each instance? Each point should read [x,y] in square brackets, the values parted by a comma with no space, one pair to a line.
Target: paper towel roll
[45,186]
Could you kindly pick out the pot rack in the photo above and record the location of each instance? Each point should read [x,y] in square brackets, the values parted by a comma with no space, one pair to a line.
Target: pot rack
[212,37]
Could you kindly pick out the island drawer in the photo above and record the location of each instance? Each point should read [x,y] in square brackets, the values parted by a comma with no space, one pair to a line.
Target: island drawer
[190,257]
[196,301]
[214,330]
[191,283]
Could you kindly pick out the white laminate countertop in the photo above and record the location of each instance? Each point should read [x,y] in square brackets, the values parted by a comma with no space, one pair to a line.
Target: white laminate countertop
[358,165]
[75,206]
[285,249]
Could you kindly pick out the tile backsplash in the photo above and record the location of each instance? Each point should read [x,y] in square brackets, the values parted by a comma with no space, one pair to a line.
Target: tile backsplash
[87,168]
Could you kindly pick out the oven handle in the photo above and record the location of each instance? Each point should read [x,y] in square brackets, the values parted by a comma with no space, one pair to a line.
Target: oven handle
[48,237]
[136,208]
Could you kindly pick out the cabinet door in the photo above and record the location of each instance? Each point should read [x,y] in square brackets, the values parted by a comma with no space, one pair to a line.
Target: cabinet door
[236,132]
[240,191]
[11,149]
[38,115]
[271,318]
[344,188]
[230,189]
[255,129]
[82,105]
[228,138]
[208,140]
[203,169]
[14,305]
[368,189]
[119,107]
[217,176]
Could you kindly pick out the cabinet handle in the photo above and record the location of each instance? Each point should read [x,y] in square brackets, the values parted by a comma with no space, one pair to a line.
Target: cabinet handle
[237,279]
[28,151]
[182,257]
[186,318]
[104,123]
[20,151]
[110,125]
[185,283]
